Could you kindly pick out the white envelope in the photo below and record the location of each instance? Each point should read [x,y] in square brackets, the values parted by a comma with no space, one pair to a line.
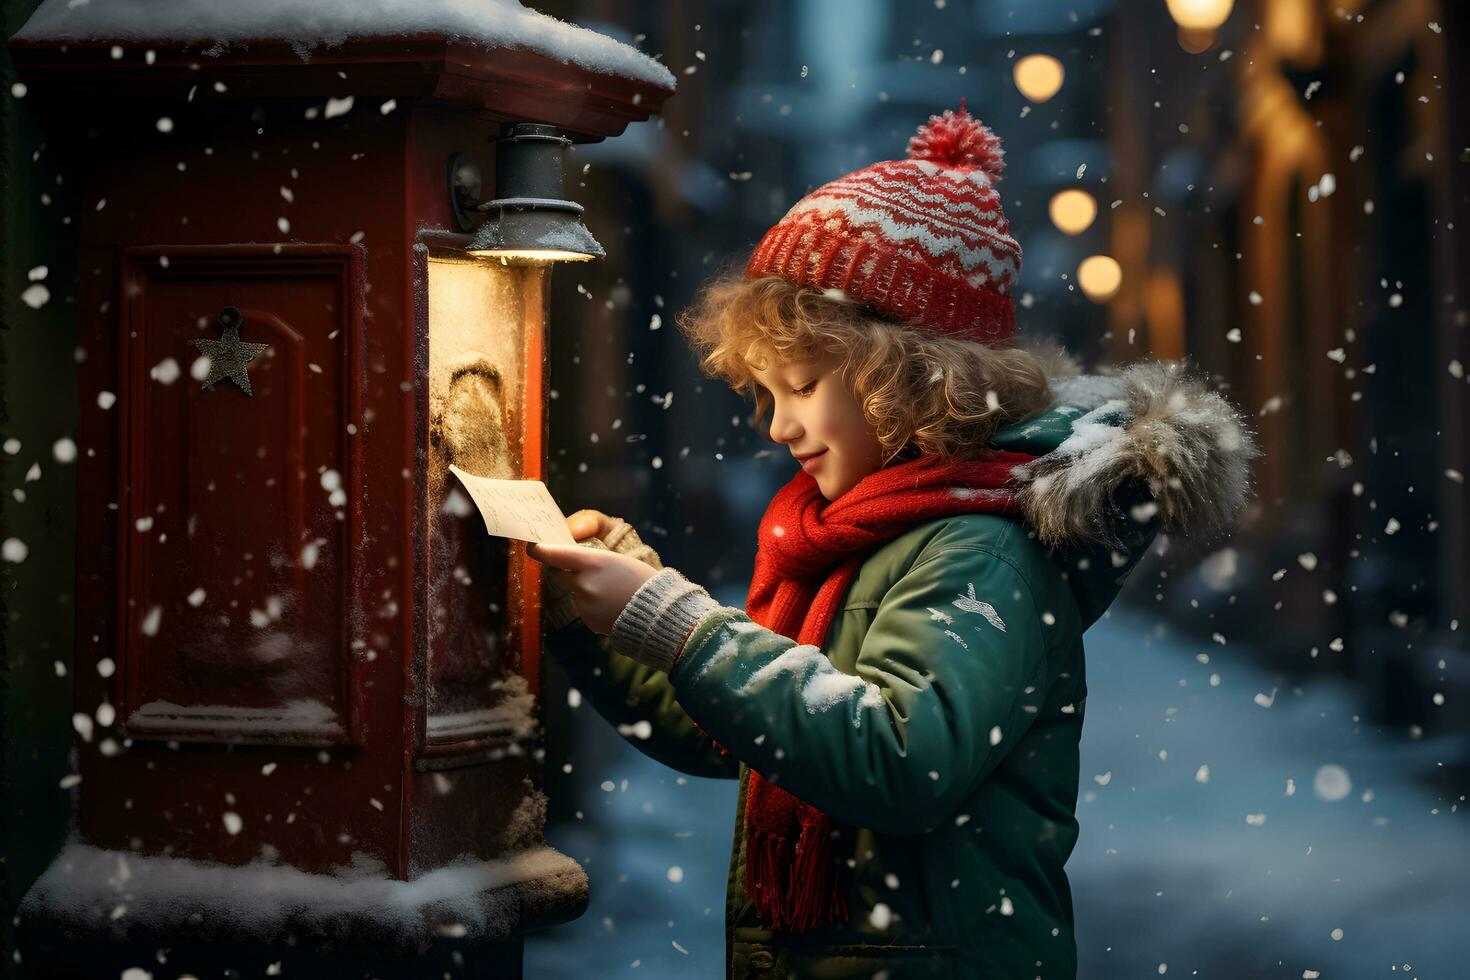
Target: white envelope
[519,509]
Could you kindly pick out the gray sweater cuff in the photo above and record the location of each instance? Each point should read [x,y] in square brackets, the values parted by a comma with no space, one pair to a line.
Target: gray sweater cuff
[659,617]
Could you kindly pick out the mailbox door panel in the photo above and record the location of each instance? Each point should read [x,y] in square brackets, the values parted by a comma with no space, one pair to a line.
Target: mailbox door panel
[234,566]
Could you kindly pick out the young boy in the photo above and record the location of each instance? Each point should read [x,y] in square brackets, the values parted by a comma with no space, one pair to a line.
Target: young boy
[902,697]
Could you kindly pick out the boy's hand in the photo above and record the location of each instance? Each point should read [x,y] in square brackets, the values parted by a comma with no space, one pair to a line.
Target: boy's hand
[600,582]
[586,524]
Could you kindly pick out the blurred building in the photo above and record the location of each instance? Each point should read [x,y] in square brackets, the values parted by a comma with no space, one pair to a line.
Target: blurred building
[1291,185]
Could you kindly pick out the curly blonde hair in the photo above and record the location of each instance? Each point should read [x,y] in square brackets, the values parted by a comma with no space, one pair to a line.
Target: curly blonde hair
[924,393]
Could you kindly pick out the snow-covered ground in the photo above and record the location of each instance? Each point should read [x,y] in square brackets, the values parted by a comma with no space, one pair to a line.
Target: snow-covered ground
[1261,864]
[631,841]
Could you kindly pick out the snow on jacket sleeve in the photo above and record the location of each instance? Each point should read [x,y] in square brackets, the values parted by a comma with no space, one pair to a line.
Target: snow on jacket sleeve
[954,653]
[626,693]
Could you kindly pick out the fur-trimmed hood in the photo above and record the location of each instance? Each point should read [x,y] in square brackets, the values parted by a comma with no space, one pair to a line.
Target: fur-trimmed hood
[1123,455]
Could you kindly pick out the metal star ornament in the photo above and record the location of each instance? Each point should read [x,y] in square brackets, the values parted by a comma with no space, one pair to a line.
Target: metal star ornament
[229,355]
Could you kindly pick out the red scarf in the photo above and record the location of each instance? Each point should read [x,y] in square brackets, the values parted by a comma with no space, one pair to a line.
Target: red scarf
[808,552]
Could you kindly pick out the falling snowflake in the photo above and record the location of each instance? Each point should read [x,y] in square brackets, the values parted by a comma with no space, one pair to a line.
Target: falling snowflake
[1332,783]
[35,296]
[151,621]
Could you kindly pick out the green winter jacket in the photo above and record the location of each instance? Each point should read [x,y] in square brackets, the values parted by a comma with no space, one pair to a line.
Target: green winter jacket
[939,725]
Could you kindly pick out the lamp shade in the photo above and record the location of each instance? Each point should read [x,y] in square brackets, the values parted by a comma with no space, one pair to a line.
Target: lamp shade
[530,220]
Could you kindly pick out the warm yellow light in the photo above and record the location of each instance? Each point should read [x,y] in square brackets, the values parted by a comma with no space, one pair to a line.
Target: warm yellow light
[1200,15]
[529,256]
[1100,276]
[1039,76]
[1073,210]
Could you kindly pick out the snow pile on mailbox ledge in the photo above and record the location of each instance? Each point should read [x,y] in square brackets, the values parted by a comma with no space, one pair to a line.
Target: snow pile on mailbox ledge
[132,896]
[494,23]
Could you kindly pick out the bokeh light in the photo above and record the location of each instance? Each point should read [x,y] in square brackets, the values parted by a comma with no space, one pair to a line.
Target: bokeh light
[1039,76]
[1100,277]
[1200,15]
[1073,210]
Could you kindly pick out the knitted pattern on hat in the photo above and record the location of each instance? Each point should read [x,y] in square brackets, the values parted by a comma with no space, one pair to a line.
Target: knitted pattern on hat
[921,240]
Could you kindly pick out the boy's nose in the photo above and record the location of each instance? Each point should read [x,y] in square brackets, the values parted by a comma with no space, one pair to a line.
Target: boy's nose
[784,429]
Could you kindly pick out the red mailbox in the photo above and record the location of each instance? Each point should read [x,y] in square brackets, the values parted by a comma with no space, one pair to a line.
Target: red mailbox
[297,648]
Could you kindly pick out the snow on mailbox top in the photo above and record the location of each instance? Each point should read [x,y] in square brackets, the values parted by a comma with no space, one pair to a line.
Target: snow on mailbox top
[493,23]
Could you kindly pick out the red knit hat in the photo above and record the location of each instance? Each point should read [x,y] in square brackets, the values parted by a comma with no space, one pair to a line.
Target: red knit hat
[921,240]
